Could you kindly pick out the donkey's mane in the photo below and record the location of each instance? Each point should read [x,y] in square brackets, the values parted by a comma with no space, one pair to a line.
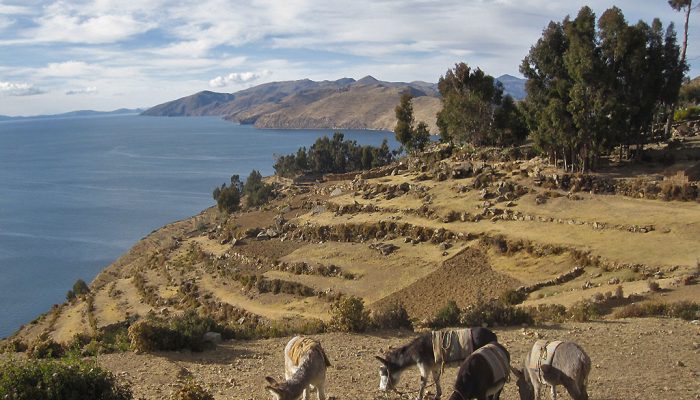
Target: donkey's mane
[403,356]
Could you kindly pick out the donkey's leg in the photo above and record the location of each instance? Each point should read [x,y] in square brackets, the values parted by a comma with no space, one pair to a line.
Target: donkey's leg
[438,387]
[554,392]
[577,391]
[321,391]
[423,380]
[305,393]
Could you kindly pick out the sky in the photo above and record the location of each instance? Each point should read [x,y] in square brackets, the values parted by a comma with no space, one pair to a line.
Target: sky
[58,56]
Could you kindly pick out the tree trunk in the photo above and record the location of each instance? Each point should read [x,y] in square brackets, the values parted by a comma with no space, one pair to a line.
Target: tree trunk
[669,119]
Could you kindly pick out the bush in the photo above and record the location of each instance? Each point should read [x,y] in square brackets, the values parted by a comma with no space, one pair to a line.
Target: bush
[59,380]
[392,316]
[14,346]
[653,286]
[180,332]
[548,313]
[349,315]
[684,309]
[495,313]
[191,390]
[686,113]
[584,311]
[80,288]
[256,191]
[513,297]
[228,198]
[619,293]
[45,347]
[447,316]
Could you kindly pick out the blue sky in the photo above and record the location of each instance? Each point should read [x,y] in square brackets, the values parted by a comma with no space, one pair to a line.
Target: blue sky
[58,56]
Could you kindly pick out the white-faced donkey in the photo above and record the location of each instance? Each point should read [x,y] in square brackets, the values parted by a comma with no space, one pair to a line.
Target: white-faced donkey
[554,363]
[305,365]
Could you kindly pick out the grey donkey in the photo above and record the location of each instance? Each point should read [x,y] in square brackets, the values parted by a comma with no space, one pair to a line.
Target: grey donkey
[305,364]
[553,364]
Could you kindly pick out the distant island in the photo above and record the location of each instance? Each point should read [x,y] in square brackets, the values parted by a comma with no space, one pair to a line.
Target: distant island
[345,103]
[79,113]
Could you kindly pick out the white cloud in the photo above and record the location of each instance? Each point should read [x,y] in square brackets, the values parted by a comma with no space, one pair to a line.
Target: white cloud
[74,23]
[85,90]
[68,69]
[19,89]
[238,78]
[6,9]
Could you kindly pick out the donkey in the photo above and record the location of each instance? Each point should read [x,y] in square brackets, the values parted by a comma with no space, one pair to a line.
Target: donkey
[483,374]
[554,363]
[305,365]
[422,350]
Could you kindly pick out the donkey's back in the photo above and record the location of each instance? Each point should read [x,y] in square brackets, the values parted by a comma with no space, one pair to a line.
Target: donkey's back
[565,363]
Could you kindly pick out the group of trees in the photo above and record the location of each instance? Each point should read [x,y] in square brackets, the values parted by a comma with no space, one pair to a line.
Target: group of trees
[590,90]
[474,109]
[333,155]
[257,192]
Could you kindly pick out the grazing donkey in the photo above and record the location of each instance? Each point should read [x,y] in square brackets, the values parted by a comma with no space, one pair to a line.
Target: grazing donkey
[430,352]
[305,365]
[554,363]
[483,374]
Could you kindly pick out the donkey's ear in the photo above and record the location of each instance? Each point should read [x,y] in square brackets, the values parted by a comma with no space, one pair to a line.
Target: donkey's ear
[381,360]
[271,380]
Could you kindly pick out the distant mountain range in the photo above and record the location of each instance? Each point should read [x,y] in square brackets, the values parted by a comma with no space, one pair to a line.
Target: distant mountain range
[80,113]
[305,104]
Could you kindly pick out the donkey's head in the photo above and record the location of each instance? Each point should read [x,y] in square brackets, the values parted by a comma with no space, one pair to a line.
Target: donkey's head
[281,391]
[389,374]
[525,389]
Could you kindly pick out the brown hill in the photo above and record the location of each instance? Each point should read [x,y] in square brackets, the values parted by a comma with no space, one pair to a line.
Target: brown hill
[343,104]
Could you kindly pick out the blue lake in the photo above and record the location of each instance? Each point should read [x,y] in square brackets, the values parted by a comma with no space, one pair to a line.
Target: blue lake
[76,193]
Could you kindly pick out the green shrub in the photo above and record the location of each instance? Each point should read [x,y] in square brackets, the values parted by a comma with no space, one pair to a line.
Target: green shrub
[80,288]
[686,310]
[495,313]
[392,316]
[584,311]
[256,191]
[13,346]
[686,113]
[349,315]
[180,332]
[45,347]
[191,390]
[58,380]
[446,316]
[513,297]
[548,313]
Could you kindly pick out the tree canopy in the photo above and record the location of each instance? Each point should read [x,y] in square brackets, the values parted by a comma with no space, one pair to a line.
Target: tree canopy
[592,87]
[473,109]
[333,155]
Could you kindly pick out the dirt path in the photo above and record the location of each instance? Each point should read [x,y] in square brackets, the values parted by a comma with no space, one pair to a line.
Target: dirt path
[632,359]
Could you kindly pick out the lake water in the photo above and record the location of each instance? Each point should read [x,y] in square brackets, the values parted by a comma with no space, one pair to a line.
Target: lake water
[76,193]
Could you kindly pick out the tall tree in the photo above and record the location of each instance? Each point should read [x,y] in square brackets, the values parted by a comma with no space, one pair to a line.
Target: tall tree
[412,137]
[469,99]
[686,6]
[404,120]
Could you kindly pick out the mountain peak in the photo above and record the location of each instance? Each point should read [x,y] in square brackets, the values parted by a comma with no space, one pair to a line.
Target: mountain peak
[368,80]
